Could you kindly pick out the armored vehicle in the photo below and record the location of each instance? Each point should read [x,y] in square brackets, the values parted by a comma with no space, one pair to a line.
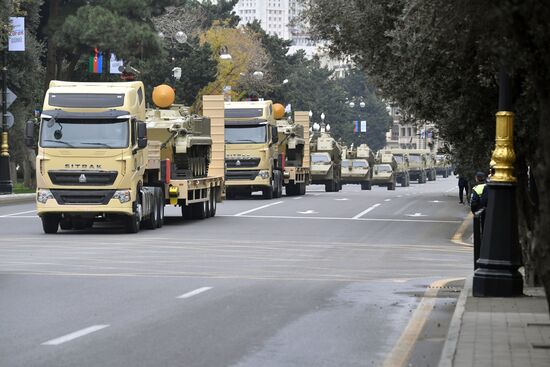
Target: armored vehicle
[185,138]
[357,166]
[442,165]
[384,176]
[326,158]
[293,144]
[399,164]
[417,163]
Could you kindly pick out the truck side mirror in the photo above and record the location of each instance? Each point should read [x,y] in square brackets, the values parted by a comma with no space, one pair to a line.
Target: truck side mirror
[29,134]
[274,135]
[141,134]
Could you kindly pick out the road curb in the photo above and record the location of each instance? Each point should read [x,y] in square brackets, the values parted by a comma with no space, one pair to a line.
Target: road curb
[449,348]
[17,198]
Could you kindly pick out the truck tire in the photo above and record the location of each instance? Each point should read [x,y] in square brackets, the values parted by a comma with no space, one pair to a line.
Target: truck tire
[277,184]
[330,186]
[364,186]
[213,203]
[152,220]
[198,210]
[50,223]
[267,192]
[131,223]
[65,224]
[291,189]
[391,186]
[207,205]
[160,208]
[302,188]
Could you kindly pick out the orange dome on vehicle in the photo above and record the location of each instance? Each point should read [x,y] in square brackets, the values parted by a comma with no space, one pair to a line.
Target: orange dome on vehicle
[163,96]
[278,111]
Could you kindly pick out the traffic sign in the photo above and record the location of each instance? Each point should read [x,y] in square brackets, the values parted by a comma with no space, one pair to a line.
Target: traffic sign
[10,119]
[10,98]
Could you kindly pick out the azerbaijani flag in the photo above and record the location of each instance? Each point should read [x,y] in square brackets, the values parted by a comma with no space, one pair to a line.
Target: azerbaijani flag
[96,62]
[356,127]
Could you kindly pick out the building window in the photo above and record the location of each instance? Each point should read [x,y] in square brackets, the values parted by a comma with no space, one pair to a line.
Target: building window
[402,131]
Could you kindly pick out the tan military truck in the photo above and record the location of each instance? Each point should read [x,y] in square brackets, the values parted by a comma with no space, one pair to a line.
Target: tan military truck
[417,163]
[399,164]
[252,156]
[325,160]
[96,163]
[357,166]
[443,165]
[431,164]
[293,149]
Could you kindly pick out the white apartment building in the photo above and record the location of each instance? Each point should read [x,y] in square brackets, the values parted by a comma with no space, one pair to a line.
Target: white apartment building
[273,15]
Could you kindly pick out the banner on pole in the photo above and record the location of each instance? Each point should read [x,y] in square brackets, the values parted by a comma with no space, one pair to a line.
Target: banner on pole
[17,35]
[363,126]
[355,127]
[115,64]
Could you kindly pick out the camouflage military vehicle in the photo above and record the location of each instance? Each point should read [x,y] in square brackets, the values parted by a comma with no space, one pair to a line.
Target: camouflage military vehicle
[417,163]
[326,158]
[184,137]
[357,166]
[442,165]
[383,175]
[430,165]
[399,164]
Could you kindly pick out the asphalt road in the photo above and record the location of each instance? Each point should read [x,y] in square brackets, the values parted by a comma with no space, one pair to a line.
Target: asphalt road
[328,279]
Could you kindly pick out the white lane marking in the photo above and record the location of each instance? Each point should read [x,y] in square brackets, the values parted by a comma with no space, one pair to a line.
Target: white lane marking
[435,201]
[298,198]
[399,196]
[366,211]
[258,208]
[308,212]
[194,293]
[342,199]
[387,199]
[340,218]
[76,334]
[14,214]
[416,215]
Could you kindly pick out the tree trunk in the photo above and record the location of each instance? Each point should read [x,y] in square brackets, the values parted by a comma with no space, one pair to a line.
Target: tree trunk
[51,55]
[29,167]
[541,243]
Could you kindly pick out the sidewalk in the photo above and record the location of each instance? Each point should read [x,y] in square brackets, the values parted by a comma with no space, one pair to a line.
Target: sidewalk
[501,332]
[17,198]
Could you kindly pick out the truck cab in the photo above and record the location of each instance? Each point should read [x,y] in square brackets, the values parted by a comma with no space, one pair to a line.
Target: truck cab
[92,151]
[252,156]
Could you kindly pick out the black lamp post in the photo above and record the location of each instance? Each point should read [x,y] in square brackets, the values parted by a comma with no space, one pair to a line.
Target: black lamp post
[6,186]
[500,256]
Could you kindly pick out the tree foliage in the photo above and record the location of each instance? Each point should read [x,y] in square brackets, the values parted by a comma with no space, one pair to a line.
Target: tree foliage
[439,60]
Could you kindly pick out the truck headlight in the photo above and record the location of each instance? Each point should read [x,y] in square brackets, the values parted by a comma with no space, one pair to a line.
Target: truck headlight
[263,174]
[43,195]
[123,196]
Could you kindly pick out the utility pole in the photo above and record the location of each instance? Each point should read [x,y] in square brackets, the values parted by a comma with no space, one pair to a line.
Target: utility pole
[500,254]
[5,178]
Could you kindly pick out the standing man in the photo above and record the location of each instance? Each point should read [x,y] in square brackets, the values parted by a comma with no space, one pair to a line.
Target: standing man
[462,186]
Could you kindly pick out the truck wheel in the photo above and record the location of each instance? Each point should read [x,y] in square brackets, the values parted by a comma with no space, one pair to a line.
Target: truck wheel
[198,210]
[330,186]
[50,223]
[152,221]
[213,203]
[132,223]
[207,205]
[290,189]
[277,184]
[267,192]
[364,186]
[391,186]
[302,188]
[160,208]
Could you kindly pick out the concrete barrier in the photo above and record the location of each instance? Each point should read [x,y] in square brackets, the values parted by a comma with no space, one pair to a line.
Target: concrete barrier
[17,198]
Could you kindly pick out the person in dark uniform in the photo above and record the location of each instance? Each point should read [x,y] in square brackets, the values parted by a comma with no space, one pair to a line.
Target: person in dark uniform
[462,186]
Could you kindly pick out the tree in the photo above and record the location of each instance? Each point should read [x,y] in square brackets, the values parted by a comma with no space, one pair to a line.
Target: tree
[439,61]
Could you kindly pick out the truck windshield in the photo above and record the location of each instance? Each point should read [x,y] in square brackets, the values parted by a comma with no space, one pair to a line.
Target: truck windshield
[243,134]
[381,168]
[360,164]
[320,158]
[415,158]
[345,163]
[398,158]
[74,133]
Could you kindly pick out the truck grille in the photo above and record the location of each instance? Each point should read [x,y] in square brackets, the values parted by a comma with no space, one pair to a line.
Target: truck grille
[100,197]
[83,178]
[242,163]
[241,175]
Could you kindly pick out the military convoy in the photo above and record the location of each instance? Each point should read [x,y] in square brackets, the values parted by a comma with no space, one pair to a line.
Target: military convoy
[443,165]
[399,162]
[326,158]
[103,157]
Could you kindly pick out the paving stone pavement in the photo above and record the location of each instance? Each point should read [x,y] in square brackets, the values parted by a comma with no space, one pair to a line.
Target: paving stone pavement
[504,332]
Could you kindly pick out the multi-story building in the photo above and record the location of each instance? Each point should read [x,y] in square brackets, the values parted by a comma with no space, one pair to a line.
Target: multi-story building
[273,15]
[411,136]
